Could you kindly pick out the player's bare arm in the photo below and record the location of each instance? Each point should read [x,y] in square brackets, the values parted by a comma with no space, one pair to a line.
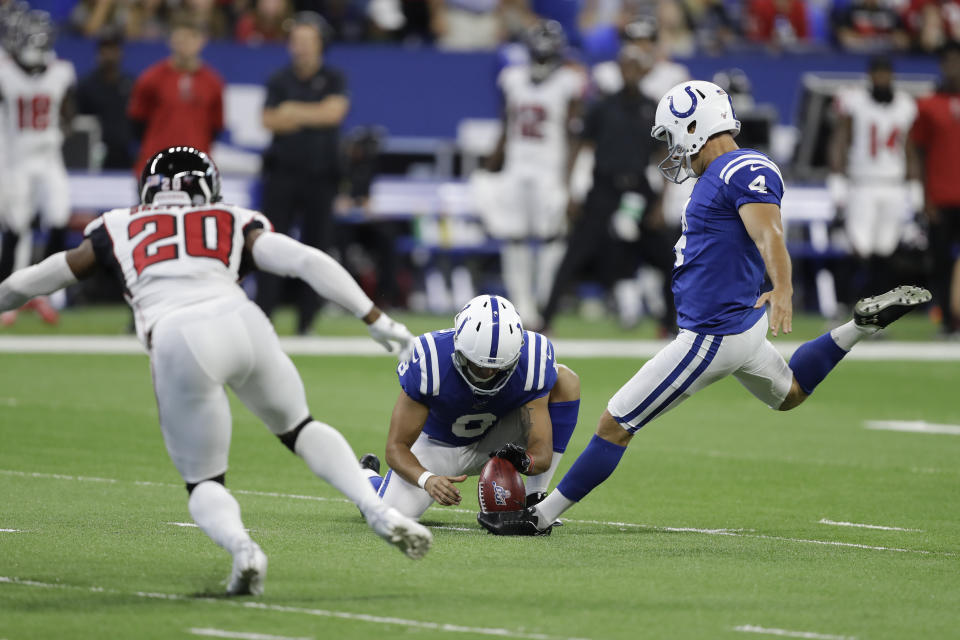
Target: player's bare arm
[495,160]
[535,419]
[763,222]
[406,424]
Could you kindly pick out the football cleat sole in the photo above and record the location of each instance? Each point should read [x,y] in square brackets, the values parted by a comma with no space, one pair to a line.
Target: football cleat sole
[883,310]
[370,461]
[249,571]
[409,536]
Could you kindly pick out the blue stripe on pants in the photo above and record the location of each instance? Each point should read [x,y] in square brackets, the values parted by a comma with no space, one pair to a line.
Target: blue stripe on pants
[680,368]
[386,481]
[707,359]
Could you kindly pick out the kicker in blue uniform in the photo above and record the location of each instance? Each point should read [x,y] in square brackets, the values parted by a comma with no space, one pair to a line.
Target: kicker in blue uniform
[732,236]
[485,387]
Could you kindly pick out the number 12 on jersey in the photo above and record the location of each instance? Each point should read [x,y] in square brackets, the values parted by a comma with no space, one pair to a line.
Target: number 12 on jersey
[206,233]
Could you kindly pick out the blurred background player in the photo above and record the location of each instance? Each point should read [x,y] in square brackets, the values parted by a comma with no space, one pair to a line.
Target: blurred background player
[621,220]
[542,105]
[485,387]
[660,73]
[640,37]
[868,183]
[37,94]
[936,135]
[179,100]
[104,93]
[305,104]
[179,259]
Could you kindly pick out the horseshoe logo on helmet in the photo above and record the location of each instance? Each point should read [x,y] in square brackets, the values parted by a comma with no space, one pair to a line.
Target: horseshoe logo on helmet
[693,104]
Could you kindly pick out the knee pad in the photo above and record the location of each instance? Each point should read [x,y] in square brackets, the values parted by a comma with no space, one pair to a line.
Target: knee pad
[220,479]
[290,437]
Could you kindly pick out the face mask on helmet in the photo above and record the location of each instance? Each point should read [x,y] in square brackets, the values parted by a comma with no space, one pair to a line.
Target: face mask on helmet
[478,378]
[677,167]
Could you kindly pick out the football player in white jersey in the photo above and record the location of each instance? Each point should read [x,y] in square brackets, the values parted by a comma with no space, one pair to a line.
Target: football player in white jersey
[36,95]
[179,255]
[869,183]
[541,104]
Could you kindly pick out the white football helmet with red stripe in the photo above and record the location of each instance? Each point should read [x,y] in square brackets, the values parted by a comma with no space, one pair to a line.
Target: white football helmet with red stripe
[487,342]
[686,117]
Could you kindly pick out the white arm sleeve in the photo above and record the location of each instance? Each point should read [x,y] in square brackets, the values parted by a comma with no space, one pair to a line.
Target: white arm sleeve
[40,279]
[284,256]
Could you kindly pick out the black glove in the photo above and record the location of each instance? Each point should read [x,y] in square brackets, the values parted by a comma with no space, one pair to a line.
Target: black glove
[515,455]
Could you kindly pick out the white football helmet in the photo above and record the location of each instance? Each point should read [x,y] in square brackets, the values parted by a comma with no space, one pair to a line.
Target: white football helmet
[489,336]
[686,117]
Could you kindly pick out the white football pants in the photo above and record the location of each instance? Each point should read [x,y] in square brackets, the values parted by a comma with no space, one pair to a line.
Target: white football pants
[694,361]
[194,353]
[448,460]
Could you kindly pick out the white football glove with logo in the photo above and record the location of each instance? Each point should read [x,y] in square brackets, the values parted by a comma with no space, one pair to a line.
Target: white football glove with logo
[388,331]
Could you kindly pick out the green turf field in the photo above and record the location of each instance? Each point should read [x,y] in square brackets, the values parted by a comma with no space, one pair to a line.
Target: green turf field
[711,522]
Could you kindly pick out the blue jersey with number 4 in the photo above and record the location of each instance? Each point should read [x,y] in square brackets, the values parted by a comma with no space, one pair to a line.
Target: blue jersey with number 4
[718,270]
[457,416]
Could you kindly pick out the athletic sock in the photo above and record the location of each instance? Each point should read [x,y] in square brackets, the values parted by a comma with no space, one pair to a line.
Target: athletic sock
[330,457]
[849,334]
[813,360]
[217,513]
[591,468]
[563,417]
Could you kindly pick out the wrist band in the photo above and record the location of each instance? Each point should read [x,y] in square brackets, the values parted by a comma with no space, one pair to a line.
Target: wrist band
[422,480]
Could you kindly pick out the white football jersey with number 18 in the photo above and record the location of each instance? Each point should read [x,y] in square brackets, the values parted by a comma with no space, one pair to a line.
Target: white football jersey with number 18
[31,105]
[879,134]
[169,256]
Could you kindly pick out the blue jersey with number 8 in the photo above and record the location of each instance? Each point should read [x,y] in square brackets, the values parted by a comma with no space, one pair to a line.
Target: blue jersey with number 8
[718,271]
[457,416]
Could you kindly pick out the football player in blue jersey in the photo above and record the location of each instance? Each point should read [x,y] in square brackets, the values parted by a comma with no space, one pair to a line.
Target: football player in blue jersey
[732,235]
[482,388]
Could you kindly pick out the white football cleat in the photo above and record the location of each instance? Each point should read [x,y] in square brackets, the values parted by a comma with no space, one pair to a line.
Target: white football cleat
[249,571]
[411,537]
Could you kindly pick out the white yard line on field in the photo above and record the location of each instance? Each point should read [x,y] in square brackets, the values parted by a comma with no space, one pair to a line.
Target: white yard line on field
[881,527]
[359,346]
[913,426]
[809,635]
[325,613]
[738,532]
[239,635]
[11,531]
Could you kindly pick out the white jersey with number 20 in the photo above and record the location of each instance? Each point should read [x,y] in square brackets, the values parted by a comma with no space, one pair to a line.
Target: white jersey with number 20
[173,256]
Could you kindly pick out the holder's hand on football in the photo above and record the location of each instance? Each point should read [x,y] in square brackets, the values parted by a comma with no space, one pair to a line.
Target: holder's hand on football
[387,331]
[515,455]
[442,490]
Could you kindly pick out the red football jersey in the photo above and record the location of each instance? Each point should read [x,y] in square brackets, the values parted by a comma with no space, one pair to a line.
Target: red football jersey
[179,108]
[937,131]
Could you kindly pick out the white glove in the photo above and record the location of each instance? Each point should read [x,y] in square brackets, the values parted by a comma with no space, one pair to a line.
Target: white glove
[386,331]
[626,220]
[838,189]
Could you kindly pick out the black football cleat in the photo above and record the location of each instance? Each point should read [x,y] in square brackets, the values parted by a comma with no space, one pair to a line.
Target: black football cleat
[370,461]
[882,310]
[512,523]
[535,498]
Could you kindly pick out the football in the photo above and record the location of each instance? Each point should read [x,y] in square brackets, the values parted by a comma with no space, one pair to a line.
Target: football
[500,487]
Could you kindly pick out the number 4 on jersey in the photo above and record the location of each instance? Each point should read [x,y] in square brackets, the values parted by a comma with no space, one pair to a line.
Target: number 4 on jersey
[759,184]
